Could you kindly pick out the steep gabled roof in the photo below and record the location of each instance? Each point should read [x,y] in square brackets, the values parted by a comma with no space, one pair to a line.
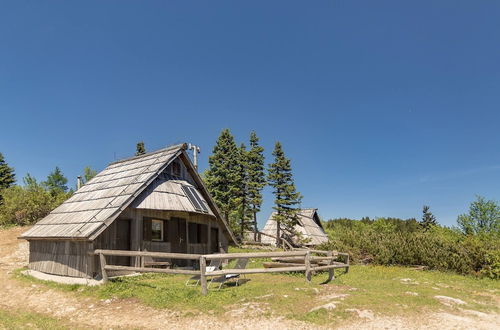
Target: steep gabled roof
[99,202]
[308,225]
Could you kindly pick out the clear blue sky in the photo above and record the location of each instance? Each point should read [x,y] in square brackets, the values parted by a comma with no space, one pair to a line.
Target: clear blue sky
[383,106]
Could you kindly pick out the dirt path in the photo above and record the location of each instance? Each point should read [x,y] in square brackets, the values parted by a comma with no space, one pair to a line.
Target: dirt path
[89,312]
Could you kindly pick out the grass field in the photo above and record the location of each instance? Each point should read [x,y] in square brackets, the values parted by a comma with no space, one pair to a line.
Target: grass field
[375,290]
[22,320]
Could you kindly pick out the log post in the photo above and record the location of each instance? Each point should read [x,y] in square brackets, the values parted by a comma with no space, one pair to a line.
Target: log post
[347,262]
[203,277]
[104,274]
[307,262]
[331,273]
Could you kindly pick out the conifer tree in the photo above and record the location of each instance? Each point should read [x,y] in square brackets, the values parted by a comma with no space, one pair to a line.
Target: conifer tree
[428,219]
[140,149]
[286,197]
[222,176]
[243,197]
[56,182]
[7,176]
[256,178]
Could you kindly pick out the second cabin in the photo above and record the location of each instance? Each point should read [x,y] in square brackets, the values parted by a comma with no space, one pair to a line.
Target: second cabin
[153,202]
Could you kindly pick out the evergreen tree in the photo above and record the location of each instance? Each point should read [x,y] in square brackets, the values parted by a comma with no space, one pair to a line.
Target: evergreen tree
[7,176]
[256,178]
[140,149]
[88,174]
[428,219]
[243,197]
[286,197]
[222,176]
[56,182]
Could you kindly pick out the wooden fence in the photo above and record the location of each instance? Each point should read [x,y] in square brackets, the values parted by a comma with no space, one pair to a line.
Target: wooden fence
[310,257]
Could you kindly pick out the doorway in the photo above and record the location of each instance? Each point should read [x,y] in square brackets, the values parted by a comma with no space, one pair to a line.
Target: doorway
[178,238]
[214,240]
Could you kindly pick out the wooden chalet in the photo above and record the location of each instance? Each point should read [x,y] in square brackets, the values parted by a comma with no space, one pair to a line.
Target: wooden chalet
[309,227]
[153,202]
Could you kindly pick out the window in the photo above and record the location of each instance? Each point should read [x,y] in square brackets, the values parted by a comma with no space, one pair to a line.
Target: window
[195,199]
[198,233]
[157,230]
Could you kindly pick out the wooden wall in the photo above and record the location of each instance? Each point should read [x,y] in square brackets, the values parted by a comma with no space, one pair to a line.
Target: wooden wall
[73,258]
[66,258]
[138,243]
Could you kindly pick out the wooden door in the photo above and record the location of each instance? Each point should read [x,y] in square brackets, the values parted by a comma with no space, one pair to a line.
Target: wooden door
[214,240]
[123,241]
[178,238]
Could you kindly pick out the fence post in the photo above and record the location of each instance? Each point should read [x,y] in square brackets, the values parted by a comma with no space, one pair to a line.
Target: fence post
[307,262]
[203,277]
[347,262]
[331,273]
[104,274]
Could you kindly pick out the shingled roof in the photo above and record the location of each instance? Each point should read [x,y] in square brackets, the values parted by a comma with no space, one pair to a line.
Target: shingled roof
[308,225]
[99,202]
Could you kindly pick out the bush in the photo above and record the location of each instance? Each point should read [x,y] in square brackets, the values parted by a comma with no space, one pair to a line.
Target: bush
[439,248]
[26,205]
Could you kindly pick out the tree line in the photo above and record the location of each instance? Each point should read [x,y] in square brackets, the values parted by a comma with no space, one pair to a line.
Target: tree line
[236,176]
[470,247]
[26,203]
[483,218]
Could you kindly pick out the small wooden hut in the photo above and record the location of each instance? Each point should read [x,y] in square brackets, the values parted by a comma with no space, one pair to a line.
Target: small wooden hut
[153,202]
[309,227]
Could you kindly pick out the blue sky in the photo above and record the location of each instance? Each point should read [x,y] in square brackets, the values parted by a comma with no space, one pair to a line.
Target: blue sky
[383,106]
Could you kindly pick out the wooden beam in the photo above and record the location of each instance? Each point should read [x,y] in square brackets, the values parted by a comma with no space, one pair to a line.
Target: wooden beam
[255,255]
[104,274]
[123,253]
[314,258]
[329,267]
[257,270]
[331,272]
[153,270]
[203,277]
[307,262]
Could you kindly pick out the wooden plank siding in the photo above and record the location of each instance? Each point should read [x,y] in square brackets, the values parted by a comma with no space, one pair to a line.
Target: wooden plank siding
[65,258]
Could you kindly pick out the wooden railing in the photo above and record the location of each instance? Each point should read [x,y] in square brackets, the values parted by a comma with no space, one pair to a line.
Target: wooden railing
[309,266]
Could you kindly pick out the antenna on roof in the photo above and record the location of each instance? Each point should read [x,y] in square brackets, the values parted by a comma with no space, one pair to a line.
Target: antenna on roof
[196,151]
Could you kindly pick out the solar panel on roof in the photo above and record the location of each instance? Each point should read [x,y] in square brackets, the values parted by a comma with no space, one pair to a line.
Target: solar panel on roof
[198,199]
[195,199]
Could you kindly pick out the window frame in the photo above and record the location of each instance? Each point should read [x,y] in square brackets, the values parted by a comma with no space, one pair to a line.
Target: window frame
[162,230]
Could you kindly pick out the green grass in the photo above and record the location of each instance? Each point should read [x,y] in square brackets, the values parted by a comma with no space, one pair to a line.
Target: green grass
[379,289]
[22,320]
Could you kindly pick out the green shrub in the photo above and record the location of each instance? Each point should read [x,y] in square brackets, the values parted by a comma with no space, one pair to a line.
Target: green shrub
[26,205]
[439,248]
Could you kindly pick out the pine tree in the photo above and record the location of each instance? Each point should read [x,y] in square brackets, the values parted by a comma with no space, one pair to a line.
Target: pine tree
[222,176]
[243,198]
[140,149]
[7,176]
[256,178]
[56,182]
[286,197]
[88,174]
[428,219]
